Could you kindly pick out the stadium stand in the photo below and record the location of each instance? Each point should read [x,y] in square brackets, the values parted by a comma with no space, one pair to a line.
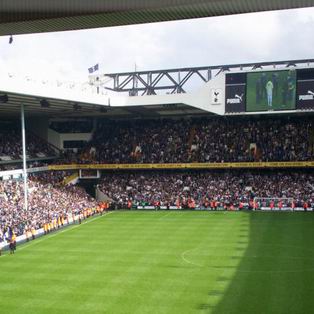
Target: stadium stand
[11,144]
[152,141]
[48,200]
[228,139]
[200,189]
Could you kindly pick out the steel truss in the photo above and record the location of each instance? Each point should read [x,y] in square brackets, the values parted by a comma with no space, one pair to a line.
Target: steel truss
[173,81]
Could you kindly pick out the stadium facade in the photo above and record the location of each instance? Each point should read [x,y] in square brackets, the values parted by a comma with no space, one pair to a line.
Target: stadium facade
[280,91]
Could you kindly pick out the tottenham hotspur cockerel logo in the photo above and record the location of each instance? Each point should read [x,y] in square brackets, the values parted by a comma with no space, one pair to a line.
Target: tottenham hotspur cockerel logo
[216,96]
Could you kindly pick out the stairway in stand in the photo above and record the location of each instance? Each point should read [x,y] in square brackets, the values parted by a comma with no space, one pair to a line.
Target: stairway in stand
[191,138]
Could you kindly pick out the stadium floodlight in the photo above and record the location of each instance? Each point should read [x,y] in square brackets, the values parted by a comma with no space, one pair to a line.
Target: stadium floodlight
[4,98]
[44,103]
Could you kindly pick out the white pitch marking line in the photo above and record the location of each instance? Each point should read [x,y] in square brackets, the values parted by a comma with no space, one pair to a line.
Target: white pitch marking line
[57,233]
[188,261]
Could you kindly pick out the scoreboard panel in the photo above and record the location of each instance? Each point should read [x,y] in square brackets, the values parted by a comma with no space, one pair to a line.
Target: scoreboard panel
[305,89]
[267,91]
[235,92]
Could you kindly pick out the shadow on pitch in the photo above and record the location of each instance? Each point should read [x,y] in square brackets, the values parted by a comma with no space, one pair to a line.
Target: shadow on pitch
[274,274]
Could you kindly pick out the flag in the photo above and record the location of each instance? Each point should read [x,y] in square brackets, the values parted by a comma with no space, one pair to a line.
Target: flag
[93,68]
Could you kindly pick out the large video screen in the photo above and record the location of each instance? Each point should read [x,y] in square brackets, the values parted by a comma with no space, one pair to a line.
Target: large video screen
[272,90]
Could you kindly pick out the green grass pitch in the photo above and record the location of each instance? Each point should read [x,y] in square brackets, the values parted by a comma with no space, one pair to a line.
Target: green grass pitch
[166,262]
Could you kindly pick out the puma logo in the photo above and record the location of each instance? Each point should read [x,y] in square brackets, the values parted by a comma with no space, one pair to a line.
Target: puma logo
[239,97]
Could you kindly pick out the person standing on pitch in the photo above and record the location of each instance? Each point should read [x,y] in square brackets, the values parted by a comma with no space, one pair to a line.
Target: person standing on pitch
[12,244]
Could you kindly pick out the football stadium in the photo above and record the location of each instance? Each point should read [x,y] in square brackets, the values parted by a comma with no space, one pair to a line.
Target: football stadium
[133,194]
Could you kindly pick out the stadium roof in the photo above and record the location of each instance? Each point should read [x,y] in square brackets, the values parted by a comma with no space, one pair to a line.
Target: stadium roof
[36,16]
[63,108]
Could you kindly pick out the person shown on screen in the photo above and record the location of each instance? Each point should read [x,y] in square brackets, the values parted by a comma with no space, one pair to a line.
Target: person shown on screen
[288,89]
[291,87]
[264,81]
[275,79]
[258,90]
[269,92]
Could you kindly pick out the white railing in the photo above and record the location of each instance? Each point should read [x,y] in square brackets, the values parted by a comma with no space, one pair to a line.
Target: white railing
[8,174]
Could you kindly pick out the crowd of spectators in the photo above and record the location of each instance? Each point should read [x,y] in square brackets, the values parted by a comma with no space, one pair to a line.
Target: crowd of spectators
[48,198]
[219,139]
[211,139]
[276,139]
[142,141]
[11,146]
[203,187]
